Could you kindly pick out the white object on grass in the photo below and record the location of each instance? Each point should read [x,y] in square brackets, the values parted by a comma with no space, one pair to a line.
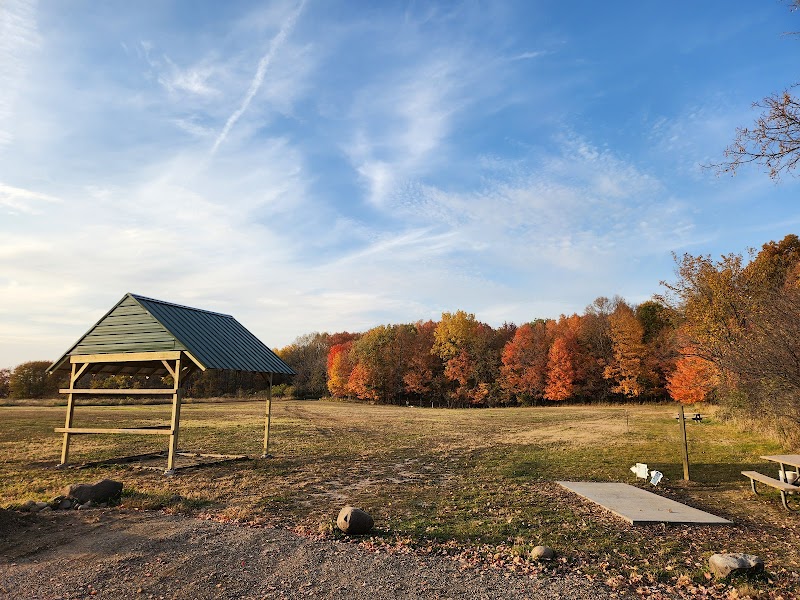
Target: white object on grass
[656,477]
[640,470]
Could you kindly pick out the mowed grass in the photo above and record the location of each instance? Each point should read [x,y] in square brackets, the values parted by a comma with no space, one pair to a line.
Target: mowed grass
[478,481]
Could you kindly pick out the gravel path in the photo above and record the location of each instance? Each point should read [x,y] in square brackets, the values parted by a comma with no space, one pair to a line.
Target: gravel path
[121,554]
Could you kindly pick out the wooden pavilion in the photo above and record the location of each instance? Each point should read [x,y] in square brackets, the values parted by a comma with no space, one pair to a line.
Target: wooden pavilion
[143,336]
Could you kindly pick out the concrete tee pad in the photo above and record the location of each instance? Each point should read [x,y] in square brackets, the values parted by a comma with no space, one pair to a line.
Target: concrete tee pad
[638,506]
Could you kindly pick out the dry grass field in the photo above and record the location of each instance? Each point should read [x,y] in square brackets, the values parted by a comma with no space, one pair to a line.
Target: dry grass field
[476,484]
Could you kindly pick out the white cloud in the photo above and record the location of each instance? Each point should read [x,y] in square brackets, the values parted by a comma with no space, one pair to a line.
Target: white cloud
[27,201]
[529,55]
[18,39]
[407,122]
[192,80]
[274,47]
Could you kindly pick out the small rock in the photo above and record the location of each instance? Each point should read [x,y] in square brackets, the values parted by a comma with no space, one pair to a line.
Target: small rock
[47,508]
[65,504]
[543,553]
[101,491]
[85,505]
[722,565]
[28,506]
[354,521]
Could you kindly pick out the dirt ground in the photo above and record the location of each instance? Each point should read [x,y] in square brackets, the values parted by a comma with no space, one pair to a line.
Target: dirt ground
[118,553]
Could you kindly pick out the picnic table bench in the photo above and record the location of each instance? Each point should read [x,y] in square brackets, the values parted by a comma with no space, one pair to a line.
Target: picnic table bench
[696,418]
[783,487]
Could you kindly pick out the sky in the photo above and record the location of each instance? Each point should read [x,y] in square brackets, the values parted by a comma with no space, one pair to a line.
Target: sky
[327,165]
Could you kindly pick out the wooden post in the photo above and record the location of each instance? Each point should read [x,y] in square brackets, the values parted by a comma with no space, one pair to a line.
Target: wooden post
[267,419]
[176,417]
[68,420]
[685,445]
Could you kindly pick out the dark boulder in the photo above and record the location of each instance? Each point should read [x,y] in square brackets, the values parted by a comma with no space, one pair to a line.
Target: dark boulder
[354,521]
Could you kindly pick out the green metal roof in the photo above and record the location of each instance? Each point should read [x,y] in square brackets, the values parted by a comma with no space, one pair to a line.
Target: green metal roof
[140,324]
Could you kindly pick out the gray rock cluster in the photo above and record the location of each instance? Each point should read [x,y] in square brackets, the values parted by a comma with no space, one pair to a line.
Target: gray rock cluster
[79,496]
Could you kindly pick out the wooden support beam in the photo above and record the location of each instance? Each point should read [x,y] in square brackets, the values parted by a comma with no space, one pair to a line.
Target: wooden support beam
[70,410]
[75,376]
[199,365]
[176,417]
[159,430]
[125,357]
[168,368]
[119,392]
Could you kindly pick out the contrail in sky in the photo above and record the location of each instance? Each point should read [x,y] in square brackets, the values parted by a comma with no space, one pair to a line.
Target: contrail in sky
[265,61]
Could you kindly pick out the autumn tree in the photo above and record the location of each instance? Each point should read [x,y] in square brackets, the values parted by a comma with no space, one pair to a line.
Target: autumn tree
[659,325]
[627,368]
[381,357]
[743,317]
[471,357]
[714,300]
[307,356]
[693,379]
[523,374]
[596,349]
[766,364]
[339,369]
[424,375]
[358,384]
[560,371]
[31,380]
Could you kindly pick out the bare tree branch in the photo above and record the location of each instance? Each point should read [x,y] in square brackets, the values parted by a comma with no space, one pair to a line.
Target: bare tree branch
[773,142]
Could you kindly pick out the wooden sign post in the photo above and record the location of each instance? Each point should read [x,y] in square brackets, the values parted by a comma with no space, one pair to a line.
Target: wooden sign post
[685,445]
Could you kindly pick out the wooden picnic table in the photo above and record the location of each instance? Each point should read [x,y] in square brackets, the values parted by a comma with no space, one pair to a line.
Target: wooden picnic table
[785,488]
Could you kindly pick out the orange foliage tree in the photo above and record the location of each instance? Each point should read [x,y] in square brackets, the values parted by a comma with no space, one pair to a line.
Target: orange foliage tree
[693,379]
[425,373]
[339,368]
[523,373]
[358,383]
[627,369]
[560,371]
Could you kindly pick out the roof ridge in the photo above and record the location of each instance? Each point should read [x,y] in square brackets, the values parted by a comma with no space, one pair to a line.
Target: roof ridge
[156,300]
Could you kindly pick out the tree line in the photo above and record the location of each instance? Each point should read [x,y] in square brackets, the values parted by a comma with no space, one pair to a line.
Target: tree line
[726,329]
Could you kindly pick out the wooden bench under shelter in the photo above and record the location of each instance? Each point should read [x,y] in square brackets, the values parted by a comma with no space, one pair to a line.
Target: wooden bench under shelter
[144,336]
[784,488]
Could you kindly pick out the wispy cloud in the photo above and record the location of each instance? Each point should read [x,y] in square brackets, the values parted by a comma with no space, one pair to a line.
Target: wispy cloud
[529,55]
[22,200]
[193,80]
[261,70]
[402,124]
[18,37]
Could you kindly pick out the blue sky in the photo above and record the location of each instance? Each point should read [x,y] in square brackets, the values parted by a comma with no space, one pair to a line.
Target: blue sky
[326,166]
